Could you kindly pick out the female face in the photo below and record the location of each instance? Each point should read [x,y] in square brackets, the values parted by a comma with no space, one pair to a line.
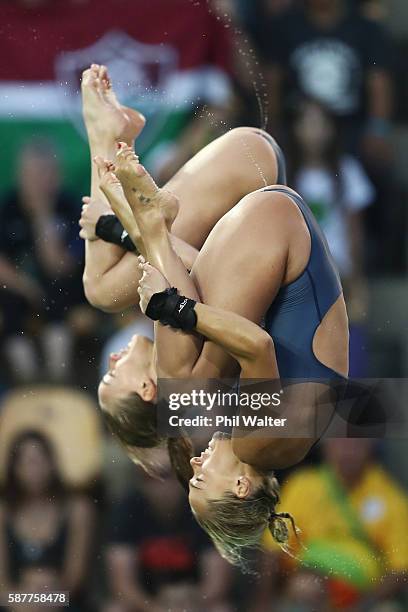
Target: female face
[313,129]
[218,470]
[131,370]
[33,467]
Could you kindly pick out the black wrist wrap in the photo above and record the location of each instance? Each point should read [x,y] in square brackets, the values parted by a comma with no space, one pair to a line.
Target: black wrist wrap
[110,229]
[172,309]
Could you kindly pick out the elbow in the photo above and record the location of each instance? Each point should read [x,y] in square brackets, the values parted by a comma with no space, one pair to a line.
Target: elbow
[98,297]
[261,346]
[264,344]
[271,454]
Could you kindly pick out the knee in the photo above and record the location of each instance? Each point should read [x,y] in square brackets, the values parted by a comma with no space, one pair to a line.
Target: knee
[241,131]
[254,133]
[276,454]
[286,453]
[256,144]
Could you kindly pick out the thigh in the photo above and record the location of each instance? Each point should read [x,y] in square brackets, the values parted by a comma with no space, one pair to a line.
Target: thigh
[240,268]
[214,180]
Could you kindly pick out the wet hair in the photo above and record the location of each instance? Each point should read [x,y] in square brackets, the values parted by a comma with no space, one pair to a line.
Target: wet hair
[12,491]
[134,424]
[236,525]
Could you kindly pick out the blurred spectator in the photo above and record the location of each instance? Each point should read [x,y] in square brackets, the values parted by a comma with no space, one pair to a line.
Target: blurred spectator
[40,265]
[49,410]
[337,189]
[38,579]
[376,10]
[156,550]
[333,183]
[330,53]
[42,525]
[352,517]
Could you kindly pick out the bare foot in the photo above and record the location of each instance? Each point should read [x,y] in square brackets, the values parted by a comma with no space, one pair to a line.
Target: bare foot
[104,117]
[152,282]
[112,189]
[141,191]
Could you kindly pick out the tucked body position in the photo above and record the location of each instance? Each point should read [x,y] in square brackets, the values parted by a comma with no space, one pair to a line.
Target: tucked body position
[261,256]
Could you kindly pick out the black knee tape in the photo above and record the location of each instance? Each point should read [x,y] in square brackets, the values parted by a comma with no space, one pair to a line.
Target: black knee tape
[172,309]
[110,229]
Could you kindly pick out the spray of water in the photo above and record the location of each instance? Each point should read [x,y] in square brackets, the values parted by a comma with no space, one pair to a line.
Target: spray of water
[251,62]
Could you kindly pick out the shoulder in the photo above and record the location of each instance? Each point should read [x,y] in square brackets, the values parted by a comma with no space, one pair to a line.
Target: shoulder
[359,191]
[350,163]
[352,169]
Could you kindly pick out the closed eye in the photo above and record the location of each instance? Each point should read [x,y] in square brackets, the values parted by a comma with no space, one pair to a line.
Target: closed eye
[196,479]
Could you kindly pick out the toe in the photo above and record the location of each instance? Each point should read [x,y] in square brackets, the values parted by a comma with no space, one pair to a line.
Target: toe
[100,163]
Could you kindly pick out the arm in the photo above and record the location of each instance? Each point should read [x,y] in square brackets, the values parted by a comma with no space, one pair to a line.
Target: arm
[111,273]
[79,545]
[122,563]
[376,142]
[380,95]
[268,581]
[18,282]
[259,277]
[177,351]
[110,276]
[52,253]
[355,284]
[216,578]
[245,341]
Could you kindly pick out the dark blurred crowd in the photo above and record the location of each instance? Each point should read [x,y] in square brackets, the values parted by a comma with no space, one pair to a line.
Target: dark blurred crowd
[137,547]
[324,77]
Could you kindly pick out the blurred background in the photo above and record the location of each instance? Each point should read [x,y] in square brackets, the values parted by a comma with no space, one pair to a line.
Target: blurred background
[328,78]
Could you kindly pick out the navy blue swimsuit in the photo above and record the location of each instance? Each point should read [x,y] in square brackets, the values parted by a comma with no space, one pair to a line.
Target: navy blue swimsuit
[298,309]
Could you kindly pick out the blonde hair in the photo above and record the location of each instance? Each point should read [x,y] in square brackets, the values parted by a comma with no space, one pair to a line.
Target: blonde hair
[134,424]
[236,525]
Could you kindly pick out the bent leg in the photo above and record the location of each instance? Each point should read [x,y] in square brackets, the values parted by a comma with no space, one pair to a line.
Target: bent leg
[207,187]
[242,264]
[215,179]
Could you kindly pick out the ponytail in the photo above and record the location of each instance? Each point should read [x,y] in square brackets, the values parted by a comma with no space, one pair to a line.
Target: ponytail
[279,529]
